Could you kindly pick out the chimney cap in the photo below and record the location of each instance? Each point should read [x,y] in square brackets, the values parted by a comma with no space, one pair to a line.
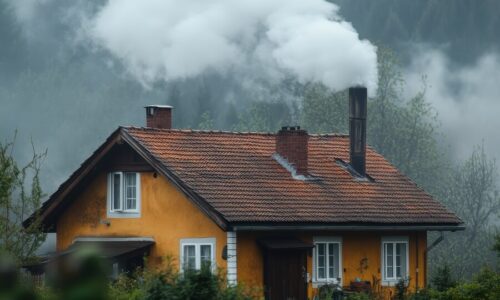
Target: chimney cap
[158,106]
[290,128]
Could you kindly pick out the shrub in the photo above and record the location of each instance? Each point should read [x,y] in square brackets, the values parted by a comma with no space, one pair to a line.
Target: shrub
[442,279]
[358,296]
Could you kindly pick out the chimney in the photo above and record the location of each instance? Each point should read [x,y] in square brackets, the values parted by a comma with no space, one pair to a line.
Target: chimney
[357,128]
[159,116]
[291,143]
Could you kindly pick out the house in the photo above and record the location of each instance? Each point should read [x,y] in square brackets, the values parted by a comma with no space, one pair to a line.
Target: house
[287,211]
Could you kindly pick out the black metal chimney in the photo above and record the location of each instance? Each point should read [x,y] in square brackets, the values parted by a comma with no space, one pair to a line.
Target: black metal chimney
[357,128]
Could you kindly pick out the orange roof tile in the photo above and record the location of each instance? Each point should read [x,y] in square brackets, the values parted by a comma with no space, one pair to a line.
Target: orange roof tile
[237,176]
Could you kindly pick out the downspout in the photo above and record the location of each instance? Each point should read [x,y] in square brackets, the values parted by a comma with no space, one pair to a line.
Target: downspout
[416,265]
[436,242]
[429,248]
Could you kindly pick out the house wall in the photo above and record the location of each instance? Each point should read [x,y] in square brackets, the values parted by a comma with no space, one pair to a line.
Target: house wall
[166,215]
[356,246]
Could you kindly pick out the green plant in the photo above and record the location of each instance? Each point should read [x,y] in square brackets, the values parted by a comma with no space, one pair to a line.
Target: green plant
[358,296]
[401,289]
[442,279]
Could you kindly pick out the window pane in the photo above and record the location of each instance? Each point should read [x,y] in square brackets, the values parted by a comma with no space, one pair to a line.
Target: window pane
[189,257]
[400,260]
[336,260]
[321,260]
[116,191]
[130,191]
[389,260]
[331,260]
[206,255]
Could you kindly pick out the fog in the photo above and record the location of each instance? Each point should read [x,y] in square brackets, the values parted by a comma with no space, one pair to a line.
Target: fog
[73,71]
[466,97]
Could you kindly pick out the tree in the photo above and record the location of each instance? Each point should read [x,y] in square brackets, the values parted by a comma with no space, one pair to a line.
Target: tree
[473,195]
[324,111]
[20,195]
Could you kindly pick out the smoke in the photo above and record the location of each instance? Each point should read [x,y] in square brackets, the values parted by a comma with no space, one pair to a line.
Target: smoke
[466,97]
[163,40]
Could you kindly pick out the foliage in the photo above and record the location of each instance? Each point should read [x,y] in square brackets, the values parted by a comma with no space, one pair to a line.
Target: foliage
[359,296]
[472,193]
[442,278]
[324,111]
[20,195]
[496,247]
[327,291]
[265,117]
[84,275]
[401,289]
[206,121]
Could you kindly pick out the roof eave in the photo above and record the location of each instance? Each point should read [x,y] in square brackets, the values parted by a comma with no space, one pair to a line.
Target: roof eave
[346,227]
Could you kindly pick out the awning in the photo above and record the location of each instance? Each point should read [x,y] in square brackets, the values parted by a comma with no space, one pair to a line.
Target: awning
[107,247]
[114,247]
[284,243]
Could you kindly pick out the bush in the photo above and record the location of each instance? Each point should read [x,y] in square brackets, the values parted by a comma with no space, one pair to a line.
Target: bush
[358,296]
[442,279]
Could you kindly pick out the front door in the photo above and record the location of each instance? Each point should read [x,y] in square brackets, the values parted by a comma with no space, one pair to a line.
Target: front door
[285,275]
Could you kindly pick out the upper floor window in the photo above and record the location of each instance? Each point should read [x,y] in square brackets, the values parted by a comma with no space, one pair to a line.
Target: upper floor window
[123,193]
[394,259]
[327,259]
[197,253]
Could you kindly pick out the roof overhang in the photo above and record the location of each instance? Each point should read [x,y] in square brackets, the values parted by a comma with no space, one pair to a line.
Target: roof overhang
[347,227]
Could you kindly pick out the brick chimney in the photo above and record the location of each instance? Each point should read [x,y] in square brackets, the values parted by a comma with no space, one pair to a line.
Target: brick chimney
[357,128]
[291,143]
[159,116]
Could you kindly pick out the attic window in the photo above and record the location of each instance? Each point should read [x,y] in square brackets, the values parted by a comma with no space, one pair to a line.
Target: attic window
[123,194]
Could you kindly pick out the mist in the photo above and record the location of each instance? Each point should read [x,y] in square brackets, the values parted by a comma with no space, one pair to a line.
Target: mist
[466,98]
[71,72]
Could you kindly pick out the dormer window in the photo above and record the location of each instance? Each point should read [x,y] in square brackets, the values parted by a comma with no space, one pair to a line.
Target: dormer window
[123,194]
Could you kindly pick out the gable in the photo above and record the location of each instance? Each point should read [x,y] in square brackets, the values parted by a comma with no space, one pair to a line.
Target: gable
[116,153]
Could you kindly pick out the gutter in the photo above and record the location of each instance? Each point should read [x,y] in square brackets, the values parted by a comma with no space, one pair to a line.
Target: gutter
[266,227]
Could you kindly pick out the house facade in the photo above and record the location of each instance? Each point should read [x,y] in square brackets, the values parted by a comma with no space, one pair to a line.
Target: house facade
[285,211]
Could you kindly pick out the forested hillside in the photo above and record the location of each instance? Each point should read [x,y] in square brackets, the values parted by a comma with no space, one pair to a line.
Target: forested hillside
[465,28]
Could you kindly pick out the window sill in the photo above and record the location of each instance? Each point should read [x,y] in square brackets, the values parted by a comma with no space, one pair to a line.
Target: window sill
[316,284]
[123,214]
[390,282]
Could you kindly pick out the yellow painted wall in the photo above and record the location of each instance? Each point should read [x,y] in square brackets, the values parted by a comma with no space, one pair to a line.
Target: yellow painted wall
[166,215]
[356,246]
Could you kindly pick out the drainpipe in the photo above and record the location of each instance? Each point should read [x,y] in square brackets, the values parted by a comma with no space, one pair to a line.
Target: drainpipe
[416,265]
[436,242]
[429,248]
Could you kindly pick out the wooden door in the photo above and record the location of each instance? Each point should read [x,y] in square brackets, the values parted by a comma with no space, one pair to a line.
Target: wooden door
[285,274]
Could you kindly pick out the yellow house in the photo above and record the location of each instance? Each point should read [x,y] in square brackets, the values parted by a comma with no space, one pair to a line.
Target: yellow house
[287,212]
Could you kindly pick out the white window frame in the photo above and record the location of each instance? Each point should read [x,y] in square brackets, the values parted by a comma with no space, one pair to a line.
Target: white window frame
[317,281]
[122,212]
[393,240]
[197,243]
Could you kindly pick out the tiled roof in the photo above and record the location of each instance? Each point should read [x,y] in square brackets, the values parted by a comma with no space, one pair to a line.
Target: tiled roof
[236,174]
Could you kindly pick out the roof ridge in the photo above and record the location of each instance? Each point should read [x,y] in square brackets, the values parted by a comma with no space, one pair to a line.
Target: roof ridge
[190,130]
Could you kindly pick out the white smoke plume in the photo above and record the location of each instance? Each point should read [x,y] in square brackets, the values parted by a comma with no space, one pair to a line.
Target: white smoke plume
[161,40]
[467,98]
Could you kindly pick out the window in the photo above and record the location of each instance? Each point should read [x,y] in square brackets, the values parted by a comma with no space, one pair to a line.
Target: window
[327,260]
[123,194]
[197,253]
[394,259]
